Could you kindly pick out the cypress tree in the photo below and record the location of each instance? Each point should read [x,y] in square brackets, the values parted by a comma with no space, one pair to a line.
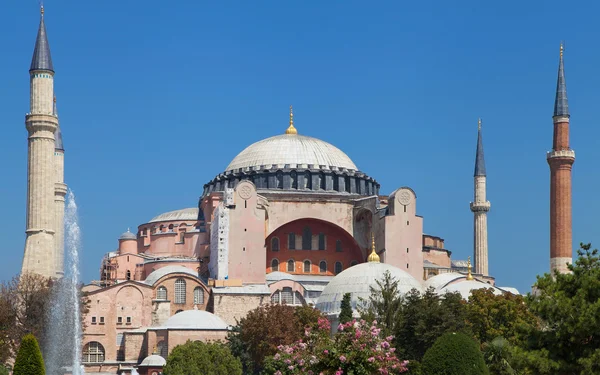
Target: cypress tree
[29,359]
[346,309]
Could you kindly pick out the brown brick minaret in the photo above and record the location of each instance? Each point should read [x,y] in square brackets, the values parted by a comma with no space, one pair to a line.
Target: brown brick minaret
[561,160]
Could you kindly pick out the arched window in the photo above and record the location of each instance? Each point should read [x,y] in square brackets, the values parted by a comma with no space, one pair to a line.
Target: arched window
[322,181]
[275,297]
[347,184]
[180,291]
[128,275]
[93,352]
[178,311]
[294,177]
[274,265]
[287,296]
[306,239]
[292,241]
[323,266]
[279,176]
[162,228]
[307,266]
[307,180]
[274,244]
[162,349]
[291,267]
[198,296]
[338,267]
[338,246]
[170,227]
[161,293]
[321,241]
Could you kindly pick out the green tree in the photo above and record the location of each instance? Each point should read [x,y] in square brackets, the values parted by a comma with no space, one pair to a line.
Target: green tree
[422,319]
[196,357]
[506,315]
[29,359]
[568,305]
[454,354]
[346,309]
[4,370]
[262,330]
[497,356]
[383,303]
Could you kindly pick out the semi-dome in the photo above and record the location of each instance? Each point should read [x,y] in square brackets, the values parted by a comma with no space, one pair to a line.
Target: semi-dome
[195,320]
[153,360]
[358,280]
[292,150]
[440,281]
[154,276]
[466,287]
[184,214]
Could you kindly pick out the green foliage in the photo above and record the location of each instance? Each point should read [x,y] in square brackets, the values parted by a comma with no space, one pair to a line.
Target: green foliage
[422,319]
[346,309]
[202,358]
[29,359]
[568,305]
[497,356]
[263,329]
[454,354]
[4,370]
[383,304]
[506,315]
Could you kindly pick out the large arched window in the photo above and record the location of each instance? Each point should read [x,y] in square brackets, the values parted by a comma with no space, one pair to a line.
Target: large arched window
[292,241]
[161,293]
[322,181]
[323,266]
[306,239]
[279,176]
[180,291]
[287,296]
[307,266]
[198,296]
[128,275]
[274,244]
[294,177]
[162,349]
[93,352]
[338,267]
[291,266]
[307,180]
[274,265]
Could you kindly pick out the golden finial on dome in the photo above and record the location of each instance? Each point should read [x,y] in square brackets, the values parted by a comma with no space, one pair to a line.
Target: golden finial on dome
[155,350]
[469,275]
[562,48]
[291,129]
[373,257]
[479,124]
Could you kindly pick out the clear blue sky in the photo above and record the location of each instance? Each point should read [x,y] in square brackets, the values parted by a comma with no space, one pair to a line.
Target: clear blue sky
[155,98]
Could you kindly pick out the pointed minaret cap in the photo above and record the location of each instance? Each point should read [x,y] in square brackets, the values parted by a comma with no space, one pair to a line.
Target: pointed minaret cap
[479,159]
[41,54]
[291,129]
[469,275]
[561,104]
[58,141]
[373,257]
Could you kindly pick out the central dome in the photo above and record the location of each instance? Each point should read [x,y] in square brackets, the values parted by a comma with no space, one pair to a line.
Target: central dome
[292,151]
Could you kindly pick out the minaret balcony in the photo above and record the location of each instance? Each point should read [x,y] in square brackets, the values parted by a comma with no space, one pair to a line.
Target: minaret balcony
[557,154]
[480,206]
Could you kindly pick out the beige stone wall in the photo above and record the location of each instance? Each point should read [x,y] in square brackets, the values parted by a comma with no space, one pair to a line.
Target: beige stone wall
[41,94]
[233,307]
[135,350]
[161,312]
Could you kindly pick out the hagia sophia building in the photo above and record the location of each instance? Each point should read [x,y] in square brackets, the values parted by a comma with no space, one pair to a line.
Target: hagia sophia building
[291,220]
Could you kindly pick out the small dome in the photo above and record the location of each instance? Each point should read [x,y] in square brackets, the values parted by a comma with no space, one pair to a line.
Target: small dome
[195,319]
[184,214]
[153,360]
[440,281]
[465,288]
[128,236]
[358,280]
[293,150]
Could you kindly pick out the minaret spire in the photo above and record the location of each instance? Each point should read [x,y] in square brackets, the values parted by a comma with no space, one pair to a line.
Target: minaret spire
[42,60]
[480,207]
[561,160]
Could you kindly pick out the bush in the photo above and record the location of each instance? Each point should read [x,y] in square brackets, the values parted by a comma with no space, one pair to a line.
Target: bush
[201,358]
[454,354]
[29,359]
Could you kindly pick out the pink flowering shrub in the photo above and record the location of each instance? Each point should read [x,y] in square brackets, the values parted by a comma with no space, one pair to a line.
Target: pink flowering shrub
[356,349]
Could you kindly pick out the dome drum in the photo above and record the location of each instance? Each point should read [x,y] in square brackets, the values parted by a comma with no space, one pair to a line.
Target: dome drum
[305,180]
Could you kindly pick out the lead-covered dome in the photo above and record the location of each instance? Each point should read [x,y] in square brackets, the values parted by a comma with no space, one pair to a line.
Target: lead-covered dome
[357,281]
[196,320]
[291,151]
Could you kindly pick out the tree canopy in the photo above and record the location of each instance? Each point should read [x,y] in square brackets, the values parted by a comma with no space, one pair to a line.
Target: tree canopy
[454,354]
[196,357]
[29,360]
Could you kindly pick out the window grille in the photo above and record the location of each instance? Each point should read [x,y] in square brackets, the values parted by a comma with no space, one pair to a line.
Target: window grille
[180,291]
[161,293]
[287,296]
[338,267]
[93,352]
[198,296]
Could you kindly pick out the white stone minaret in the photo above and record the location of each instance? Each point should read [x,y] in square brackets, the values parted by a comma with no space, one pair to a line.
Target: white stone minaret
[480,207]
[60,191]
[41,124]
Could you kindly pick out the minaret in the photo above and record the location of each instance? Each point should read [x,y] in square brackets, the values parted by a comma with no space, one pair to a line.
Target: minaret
[561,160]
[41,125]
[480,207]
[60,191]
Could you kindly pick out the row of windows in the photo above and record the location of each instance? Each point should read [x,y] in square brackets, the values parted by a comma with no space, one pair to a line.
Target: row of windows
[307,241]
[287,296]
[39,75]
[119,320]
[307,265]
[94,320]
[307,183]
[180,292]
